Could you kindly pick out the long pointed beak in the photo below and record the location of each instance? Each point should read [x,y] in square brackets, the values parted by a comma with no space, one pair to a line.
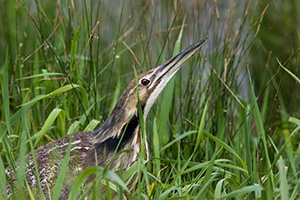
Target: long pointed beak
[170,67]
[167,70]
[162,74]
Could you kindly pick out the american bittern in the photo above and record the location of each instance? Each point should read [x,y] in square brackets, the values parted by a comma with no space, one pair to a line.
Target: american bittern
[120,131]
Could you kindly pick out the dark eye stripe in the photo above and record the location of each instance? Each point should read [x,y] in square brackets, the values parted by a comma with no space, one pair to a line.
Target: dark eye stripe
[145,82]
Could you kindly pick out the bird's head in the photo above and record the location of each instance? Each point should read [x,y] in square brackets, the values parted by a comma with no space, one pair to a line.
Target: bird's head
[151,83]
[145,88]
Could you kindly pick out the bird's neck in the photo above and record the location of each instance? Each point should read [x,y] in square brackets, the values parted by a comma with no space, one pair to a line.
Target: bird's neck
[121,129]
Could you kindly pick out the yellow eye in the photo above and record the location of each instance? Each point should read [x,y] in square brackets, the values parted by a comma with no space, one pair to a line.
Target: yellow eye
[145,82]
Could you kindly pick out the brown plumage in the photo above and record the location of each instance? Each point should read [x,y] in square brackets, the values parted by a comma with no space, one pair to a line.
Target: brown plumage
[122,129]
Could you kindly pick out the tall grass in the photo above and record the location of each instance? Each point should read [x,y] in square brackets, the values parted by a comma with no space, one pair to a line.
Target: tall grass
[212,134]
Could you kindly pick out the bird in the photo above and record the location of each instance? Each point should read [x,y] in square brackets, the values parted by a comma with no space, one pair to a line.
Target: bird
[120,131]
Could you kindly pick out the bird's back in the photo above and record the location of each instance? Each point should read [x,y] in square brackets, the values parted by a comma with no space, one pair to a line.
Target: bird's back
[85,151]
[50,157]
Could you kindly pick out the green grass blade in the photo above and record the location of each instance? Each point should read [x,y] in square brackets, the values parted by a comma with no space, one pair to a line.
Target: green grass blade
[22,161]
[82,119]
[74,46]
[295,192]
[168,95]
[201,128]
[4,83]
[115,178]
[208,178]
[41,75]
[289,72]
[92,125]
[62,173]
[247,142]
[242,191]
[37,177]
[96,170]
[79,181]
[3,193]
[21,112]
[284,187]
[74,127]
[294,120]
[260,129]
[165,194]
[49,121]
[218,190]
[5,93]
[157,148]
[180,137]
[227,147]
[55,92]
[179,39]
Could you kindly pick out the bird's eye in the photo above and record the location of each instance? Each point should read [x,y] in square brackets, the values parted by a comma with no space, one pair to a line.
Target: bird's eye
[145,82]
